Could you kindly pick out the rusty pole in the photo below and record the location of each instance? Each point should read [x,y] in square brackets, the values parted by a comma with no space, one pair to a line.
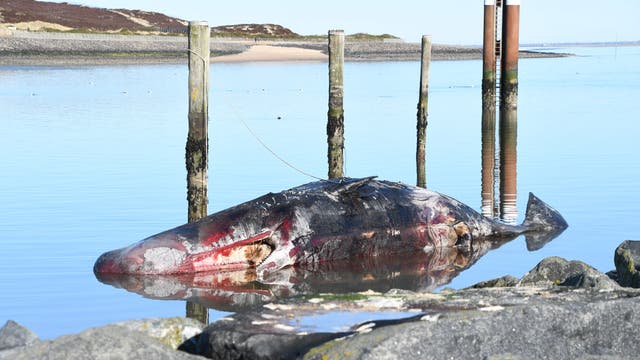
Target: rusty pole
[335,115]
[508,109]
[197,148]
[510,45]
[488,107]
[423,102]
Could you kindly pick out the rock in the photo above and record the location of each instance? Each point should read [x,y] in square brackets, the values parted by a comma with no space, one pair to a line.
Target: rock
[13,335]
[558,271]
[613,275]
[105,342]
[569,324]
[627,260]
[248,336]
[170,331]
[5,32]
[505,281]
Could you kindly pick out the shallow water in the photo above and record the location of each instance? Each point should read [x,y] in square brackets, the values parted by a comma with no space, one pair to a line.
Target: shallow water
[93,159]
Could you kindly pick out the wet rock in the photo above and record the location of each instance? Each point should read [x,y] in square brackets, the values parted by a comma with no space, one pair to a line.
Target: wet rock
[13,335]
[507,323]
[627,261]
[250,336]
[105,342]
[558,271]
[492,323]
[505,281]
[170,331]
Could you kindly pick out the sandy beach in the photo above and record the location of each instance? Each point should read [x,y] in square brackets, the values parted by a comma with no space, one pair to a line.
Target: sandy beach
[273,53]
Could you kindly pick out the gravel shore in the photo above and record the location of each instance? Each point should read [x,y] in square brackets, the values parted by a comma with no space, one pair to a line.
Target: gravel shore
[58,49]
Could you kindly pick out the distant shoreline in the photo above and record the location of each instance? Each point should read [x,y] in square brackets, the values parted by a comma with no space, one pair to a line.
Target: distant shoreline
[22,48]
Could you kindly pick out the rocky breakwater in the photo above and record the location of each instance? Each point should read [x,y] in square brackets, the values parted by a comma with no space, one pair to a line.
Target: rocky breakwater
[50,48]
[559,310]
[397,50]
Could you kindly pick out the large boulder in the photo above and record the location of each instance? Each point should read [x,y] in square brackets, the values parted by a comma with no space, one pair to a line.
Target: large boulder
[13,335]
[252,336]
[127,340]
[627,261]
[504,281]
[558,271]
[170,331]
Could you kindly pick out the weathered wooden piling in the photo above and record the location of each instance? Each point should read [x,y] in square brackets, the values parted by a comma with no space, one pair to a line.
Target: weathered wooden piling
[197,147]
[423,101]
[508,109]
[335,115]
[489,45]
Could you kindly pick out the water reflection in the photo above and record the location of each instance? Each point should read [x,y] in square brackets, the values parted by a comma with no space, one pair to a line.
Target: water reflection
[506,158]
[488,157]
[508,165]
[244,290]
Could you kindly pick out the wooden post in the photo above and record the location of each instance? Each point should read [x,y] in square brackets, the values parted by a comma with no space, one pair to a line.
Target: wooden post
[423,101]
[335,115]
[197,138]
[489,108]
[508,110]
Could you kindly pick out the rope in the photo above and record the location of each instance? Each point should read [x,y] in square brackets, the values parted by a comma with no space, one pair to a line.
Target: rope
[237,115]
[198,55]
[255,136]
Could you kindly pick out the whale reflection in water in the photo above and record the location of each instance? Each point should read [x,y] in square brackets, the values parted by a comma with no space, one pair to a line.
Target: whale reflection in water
[242,290]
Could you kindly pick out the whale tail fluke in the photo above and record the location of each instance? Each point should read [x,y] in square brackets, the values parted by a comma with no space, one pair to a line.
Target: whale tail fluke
[543,223]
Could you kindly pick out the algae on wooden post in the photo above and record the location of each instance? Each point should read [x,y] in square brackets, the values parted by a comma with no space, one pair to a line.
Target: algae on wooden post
[423,102]
[197,147]
[335,115]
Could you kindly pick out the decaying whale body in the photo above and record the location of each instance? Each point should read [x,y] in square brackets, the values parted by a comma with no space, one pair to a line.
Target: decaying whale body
[318,222]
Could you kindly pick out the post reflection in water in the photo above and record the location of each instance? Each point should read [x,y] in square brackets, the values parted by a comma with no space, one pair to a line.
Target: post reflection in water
[506,160]
[245,290]
[508,165]
[488,157]
[507,169]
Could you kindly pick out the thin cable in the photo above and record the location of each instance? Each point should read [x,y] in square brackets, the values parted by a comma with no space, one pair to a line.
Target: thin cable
[256,136]
[237,115]
[198,55]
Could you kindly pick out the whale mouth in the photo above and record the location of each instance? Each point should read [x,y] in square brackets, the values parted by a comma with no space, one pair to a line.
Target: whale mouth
[243,254]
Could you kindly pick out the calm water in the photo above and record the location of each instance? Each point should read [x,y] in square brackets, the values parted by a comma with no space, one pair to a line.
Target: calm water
[93,159]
